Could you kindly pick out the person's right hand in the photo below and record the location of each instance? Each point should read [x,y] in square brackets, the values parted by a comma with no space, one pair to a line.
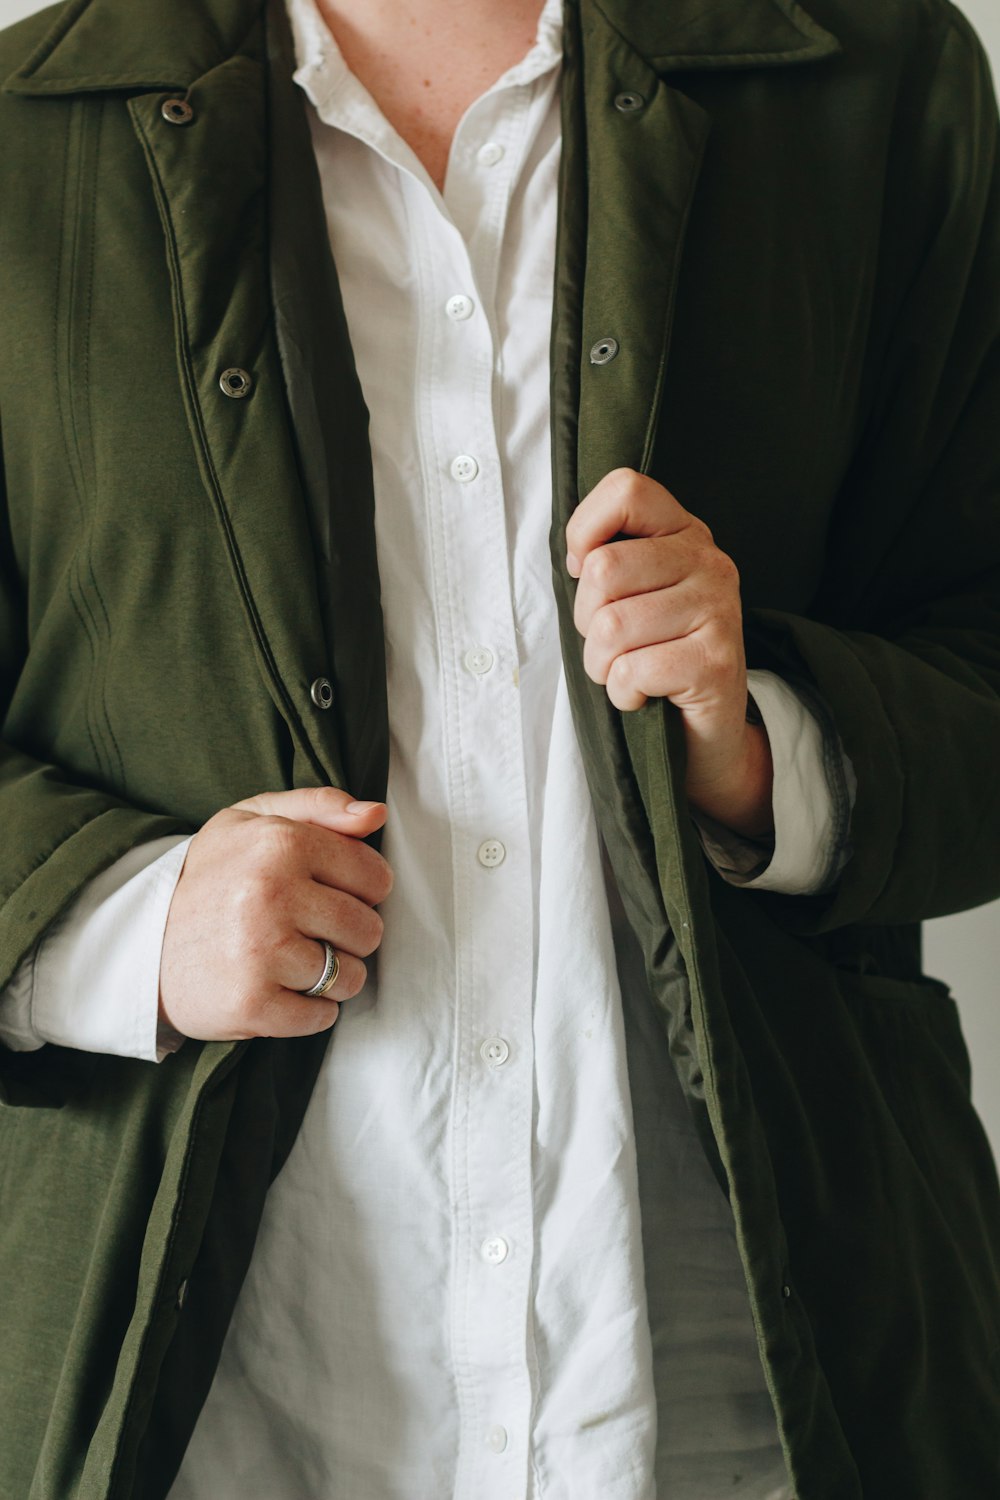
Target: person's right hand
[262,882]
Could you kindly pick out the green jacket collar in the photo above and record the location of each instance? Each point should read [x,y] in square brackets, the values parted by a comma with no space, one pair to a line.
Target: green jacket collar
[170,43]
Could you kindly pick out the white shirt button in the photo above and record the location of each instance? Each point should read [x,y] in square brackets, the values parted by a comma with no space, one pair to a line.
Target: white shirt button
[459,307]
[489,154]
[494,1051]
[496,1439]
[491,853]
[478,660]
[494,1250]
[464,467]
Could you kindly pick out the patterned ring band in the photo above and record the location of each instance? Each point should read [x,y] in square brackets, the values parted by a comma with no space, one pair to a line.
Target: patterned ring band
[331,969]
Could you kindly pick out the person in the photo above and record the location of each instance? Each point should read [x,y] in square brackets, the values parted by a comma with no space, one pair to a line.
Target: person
[548,643]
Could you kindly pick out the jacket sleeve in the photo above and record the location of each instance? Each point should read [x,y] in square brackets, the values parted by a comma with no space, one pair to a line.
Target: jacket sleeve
[810,801]
[57,834]
[93,981]
[904,643]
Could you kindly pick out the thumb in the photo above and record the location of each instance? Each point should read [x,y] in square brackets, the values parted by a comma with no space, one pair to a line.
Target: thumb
[328,806]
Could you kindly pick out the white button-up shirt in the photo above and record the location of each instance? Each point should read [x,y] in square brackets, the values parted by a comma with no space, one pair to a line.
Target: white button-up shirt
[465,1283]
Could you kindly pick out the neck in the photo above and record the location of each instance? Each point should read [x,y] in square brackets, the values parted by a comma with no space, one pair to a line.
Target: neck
[425,61]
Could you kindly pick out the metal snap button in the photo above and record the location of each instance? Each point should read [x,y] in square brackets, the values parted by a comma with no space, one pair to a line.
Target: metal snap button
[628,102]
[177,111]
[235,383]
[604,351]
[321,692]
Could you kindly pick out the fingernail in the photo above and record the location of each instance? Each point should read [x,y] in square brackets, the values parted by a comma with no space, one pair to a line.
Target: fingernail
[362,807]
[573,563]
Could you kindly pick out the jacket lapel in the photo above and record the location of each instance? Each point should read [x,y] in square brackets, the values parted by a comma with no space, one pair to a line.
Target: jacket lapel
[644,143]
[633,145]
[330,421]
[210,182]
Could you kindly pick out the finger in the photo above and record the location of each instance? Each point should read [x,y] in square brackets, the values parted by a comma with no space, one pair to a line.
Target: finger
[643,620]
[326,806]
[622,502]
[694,672]
[300,962]
[638,565]
[288,1014]
[345,864]
[352,926]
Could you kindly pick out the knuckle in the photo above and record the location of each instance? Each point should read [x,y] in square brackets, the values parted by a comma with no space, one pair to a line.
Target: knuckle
[320,1016]
[725,566]
[601,567]
[276,840]
[284,945]
[623,671]
[244,1013]
[328,799]
[356,979]
[606,626]
[381,878]
[370,928]
[623,480]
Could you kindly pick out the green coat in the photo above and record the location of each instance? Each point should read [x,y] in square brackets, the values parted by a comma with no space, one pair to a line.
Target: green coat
[796,241]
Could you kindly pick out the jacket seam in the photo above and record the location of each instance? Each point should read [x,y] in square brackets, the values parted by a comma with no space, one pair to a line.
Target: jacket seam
[72,579]
[102,682]
[218,497]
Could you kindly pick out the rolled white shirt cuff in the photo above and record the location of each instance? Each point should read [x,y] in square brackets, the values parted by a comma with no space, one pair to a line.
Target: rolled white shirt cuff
[92,982]
[812,799]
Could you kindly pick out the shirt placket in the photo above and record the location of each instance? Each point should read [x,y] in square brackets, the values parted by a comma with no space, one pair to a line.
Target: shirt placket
[492,1086]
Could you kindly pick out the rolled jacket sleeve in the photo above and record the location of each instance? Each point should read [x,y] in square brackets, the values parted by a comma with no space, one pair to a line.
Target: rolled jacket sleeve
[92,980]
[812,799]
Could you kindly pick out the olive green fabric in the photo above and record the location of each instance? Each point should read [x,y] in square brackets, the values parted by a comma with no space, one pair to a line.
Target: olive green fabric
[795,239]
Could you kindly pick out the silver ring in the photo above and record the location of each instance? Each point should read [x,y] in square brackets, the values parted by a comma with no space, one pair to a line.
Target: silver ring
[331,969]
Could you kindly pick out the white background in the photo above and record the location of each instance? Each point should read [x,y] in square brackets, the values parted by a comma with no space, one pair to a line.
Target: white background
[963,949]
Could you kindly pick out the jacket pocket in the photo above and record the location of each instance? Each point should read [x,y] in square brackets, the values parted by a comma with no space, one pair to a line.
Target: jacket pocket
[917,1052]
[915,1036]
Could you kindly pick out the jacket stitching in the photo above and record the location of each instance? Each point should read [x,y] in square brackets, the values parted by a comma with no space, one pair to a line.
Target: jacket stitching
[72,581]
[218,497]
[101,685]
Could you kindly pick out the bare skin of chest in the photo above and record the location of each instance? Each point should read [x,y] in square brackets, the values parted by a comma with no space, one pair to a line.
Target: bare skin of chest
[425,64]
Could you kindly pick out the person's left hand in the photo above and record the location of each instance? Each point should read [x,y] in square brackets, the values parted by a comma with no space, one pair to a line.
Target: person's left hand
[661,615]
